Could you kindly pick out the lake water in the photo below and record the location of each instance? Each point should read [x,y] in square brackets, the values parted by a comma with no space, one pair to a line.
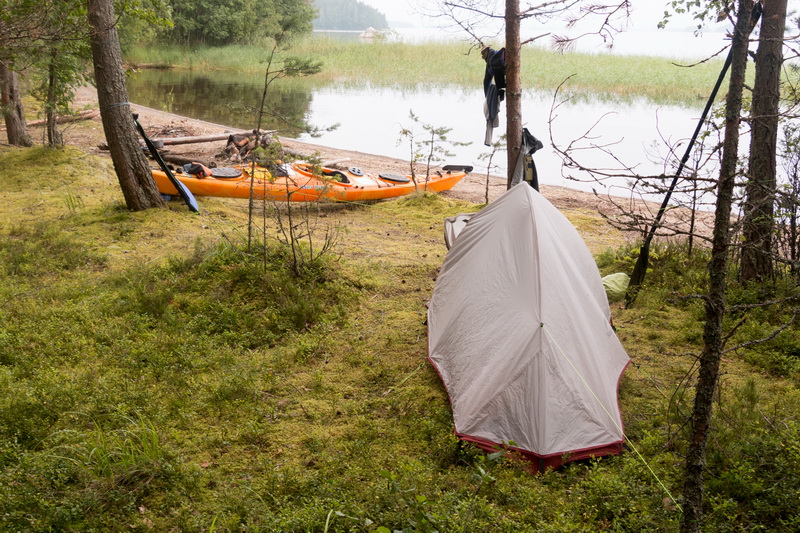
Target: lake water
[370,119]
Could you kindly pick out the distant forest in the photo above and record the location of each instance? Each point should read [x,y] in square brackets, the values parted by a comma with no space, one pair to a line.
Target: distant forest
[347,15]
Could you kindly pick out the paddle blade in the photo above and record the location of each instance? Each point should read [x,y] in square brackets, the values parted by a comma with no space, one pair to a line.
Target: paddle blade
[183,191]
[188,197]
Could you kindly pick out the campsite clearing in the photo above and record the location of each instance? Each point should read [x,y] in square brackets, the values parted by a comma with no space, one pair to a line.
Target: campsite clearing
[157,375]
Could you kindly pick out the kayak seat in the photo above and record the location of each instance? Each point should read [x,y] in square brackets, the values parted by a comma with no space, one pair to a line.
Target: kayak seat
[197,170]
[335,175]
[280,170]
[225,172]
[396,178]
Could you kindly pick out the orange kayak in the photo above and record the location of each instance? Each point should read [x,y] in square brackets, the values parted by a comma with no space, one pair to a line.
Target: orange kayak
[300,183]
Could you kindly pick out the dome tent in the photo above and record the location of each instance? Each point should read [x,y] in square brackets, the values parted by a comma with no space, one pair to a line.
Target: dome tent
[519,332]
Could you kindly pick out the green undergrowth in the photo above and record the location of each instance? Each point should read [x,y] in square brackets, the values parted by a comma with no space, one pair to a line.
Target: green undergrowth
[676,281]
[752,450]
[156,373]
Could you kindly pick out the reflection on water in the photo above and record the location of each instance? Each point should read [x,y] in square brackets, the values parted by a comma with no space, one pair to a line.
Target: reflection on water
[631,129]
[221,98]
[371,118]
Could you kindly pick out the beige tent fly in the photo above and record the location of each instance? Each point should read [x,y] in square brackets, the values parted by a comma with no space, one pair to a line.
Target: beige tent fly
[519,331]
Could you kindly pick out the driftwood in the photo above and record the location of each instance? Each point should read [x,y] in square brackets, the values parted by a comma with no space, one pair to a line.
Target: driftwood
[191,140]
[169,158]
[240,146]
[297,155]
[334,162]
[83,115]
[173,141]
[182,160]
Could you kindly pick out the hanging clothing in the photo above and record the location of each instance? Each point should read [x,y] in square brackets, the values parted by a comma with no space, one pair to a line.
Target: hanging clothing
[525,169]
[491,110]
[495,71]
[494,89]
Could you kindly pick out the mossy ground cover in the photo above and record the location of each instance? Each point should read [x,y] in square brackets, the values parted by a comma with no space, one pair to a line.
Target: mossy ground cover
[158,374]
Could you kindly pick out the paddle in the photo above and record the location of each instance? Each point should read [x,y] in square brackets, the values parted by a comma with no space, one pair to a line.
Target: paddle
[464,168]
[185,193]
[639,271]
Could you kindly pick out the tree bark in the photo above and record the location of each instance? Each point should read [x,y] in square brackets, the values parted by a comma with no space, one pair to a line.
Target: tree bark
[11,102]
[135,178]
[759,209]
[54,137]
[715,304]
[513,86]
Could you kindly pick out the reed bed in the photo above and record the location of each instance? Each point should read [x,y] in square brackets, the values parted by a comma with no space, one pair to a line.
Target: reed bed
[381,63]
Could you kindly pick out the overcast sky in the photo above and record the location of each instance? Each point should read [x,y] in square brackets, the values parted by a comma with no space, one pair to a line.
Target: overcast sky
[646,13]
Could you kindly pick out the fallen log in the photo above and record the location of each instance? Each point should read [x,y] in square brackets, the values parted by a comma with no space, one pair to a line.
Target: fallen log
[83,115]
[182,160]
[171,141]
[334,162]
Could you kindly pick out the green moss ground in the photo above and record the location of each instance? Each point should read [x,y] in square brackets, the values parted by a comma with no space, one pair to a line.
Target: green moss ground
[155,376]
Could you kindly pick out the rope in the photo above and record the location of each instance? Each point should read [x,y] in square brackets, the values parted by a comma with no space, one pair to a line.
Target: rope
[112,106]
[613,419]
[390,389]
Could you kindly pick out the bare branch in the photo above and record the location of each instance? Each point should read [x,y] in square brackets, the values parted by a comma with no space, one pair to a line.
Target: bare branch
[613,19]
[769,337]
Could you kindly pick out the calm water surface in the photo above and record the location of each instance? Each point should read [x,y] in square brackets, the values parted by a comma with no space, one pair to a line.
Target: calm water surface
[370,119]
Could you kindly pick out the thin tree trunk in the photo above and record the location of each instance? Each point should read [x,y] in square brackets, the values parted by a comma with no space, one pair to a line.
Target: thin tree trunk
[793,212]
[759,219]
[715,304]
[692,221]
[513,86]
[54,138]
[793,238]
[135,178]
[11,102]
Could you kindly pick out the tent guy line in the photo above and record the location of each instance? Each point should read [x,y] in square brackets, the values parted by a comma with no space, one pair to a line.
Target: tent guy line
[628,441]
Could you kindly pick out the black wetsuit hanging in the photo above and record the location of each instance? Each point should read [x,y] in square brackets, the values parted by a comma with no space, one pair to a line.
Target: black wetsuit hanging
[495,70]
[494,88]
